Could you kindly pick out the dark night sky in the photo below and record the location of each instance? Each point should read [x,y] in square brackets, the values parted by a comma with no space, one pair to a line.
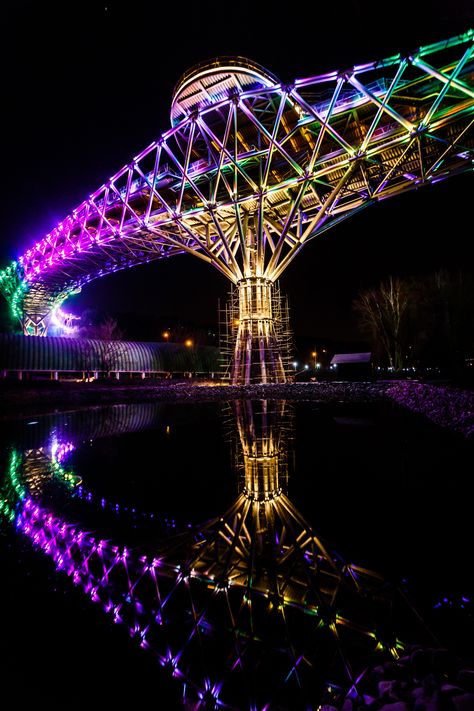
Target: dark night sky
[87,85]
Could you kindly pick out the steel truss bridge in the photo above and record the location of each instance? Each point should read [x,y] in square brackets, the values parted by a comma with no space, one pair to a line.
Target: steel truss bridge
[252,170]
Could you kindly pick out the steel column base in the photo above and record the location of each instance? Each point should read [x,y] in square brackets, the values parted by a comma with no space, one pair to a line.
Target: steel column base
[257,354]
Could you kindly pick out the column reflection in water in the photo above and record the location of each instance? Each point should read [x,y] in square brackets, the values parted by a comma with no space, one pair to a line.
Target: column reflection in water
[248,609]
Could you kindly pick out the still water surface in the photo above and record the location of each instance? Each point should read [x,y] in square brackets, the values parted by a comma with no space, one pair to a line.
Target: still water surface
[245,554]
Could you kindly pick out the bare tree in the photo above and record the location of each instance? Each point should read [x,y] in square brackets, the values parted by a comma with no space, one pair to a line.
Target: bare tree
[444,313]
[111,349]
[109,330]
[383,311]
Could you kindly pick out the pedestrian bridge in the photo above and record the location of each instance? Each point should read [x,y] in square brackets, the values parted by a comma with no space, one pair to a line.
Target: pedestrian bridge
[250,171]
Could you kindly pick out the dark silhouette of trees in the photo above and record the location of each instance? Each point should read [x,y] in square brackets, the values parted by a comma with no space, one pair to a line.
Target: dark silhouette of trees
[383,313]
[424,320]
[106,330]
[443,310]
[111,336]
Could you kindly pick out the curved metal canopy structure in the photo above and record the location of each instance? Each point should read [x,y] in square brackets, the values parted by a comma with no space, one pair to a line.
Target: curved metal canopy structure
[251,170]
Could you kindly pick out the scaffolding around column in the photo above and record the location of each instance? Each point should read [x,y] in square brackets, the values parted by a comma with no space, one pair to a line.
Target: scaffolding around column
[278,349]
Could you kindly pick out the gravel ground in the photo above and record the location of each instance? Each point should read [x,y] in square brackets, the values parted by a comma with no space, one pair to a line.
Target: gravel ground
[18,399]
[449,407]
[452,408]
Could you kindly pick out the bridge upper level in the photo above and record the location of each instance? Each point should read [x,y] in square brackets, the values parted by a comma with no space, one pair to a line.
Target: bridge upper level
[252,169]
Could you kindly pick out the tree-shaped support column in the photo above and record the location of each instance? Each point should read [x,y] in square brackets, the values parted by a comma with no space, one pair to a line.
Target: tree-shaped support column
[257,355]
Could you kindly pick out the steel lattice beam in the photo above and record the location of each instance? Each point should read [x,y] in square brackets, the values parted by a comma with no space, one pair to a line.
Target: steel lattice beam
[251,170]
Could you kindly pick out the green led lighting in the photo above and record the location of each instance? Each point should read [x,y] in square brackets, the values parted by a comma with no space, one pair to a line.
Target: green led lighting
[13,490]
[68,478]
[14,287]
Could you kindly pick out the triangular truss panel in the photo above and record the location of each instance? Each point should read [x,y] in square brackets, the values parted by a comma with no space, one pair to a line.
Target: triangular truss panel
[252,169]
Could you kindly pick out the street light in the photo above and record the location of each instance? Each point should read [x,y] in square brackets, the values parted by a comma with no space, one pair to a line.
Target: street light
[295,365]
[315,355]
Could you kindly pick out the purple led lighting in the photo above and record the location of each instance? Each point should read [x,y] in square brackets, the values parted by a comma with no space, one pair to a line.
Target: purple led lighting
[177,196]
[160,604]
[61,450]
[135,591]
[201,603]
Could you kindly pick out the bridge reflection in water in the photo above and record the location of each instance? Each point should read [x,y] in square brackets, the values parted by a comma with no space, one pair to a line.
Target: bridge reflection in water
[250,609]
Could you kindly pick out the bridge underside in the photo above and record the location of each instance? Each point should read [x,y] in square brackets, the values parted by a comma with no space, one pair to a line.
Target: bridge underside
[251,171]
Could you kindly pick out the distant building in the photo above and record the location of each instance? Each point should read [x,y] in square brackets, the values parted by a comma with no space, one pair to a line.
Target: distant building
[352,366]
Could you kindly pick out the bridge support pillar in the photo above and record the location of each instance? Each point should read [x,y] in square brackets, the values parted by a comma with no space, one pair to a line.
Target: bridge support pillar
[261,430]
[257,354]
[35,324]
